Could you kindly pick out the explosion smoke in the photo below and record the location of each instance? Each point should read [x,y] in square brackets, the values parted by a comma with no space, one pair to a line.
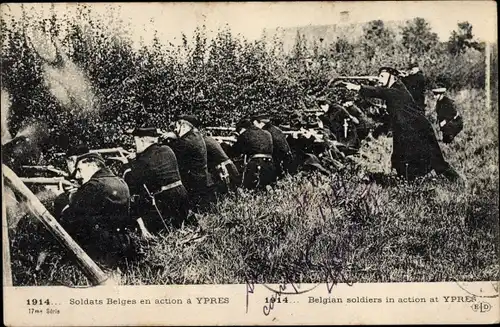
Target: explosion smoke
[63,78]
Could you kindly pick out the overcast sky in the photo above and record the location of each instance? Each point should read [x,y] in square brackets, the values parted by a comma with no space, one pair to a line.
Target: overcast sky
[249,19]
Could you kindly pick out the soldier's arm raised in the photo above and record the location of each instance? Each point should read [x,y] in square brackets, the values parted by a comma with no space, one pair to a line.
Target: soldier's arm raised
[373,92]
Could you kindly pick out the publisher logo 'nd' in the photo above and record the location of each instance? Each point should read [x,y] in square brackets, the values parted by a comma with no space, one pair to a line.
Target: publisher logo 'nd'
[481,307]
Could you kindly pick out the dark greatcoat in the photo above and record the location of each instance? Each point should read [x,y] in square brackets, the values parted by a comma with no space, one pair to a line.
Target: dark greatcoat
[449,123]
[98,217]
[415,83]
[258,172]
[191,153]
[156,167]
[282,154]
[415,148]
[215,156]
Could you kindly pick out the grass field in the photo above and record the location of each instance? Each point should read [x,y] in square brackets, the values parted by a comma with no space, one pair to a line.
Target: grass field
[345,227]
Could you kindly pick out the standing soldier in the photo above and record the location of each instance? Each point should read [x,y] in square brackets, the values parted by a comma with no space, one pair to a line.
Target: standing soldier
[416,150]
[160,199]
[256,145]
[414,81]
[97,216]
[220,167]
[282,154]
[450,121]
[189,147]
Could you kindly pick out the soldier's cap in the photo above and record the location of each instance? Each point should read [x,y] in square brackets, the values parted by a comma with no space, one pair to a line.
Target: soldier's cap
[259,116]
[90,156]
[413,65]
[191,119]
[322,101]
[77,150]
[243,123]
[389,70]
[439,90]
[145,131]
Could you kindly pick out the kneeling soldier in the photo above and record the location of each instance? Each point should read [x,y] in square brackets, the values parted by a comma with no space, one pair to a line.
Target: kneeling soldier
[257,147]
[220,167]
[450,121]
[160,199]
[282,154]
[191,152]
[97,216]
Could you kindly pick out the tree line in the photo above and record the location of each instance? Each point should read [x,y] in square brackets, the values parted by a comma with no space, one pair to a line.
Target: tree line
[219,79]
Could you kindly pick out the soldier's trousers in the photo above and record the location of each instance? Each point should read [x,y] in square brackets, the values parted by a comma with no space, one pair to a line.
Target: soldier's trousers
[259,173]
[172,208]
[230,182]
[451,129]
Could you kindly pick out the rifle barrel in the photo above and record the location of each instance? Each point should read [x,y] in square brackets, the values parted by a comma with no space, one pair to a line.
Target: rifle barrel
[221,128]
[46,181]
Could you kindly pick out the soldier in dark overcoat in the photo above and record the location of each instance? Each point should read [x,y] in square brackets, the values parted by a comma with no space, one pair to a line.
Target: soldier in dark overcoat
[97,215]
[221,168]
[415,82]
[282,154]
[160,198]
[191,152]
[256,145]
[449,120]
[416,150]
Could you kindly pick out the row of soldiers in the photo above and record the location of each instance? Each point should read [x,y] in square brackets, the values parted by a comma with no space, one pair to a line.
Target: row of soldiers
[171,177]
[177,174]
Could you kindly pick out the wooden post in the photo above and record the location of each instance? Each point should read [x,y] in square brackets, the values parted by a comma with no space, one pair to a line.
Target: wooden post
[7,272]
[89,267]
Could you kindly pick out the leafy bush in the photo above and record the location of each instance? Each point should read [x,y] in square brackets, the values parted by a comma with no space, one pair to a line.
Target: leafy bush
[220,79]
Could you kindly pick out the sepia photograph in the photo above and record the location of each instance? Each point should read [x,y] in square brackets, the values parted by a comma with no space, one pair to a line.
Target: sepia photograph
[249,143]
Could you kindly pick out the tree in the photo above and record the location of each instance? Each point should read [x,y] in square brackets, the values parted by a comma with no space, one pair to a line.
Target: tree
[418,38]
[376,37]
[462,39]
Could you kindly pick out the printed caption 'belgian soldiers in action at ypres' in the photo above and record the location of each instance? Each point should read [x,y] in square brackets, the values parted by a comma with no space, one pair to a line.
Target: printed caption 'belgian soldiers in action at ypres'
[449,120]
[416,150]
[160,200]
[221,168]
[97,215]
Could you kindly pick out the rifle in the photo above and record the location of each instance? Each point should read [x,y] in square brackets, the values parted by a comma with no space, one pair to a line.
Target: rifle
[368,78]
[318,137]
[227,129]
[123,155]
[59,181]
[48,168]
[225,139]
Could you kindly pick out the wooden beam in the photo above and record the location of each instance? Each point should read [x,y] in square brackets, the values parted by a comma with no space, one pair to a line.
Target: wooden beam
[89,267]
[7,272]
